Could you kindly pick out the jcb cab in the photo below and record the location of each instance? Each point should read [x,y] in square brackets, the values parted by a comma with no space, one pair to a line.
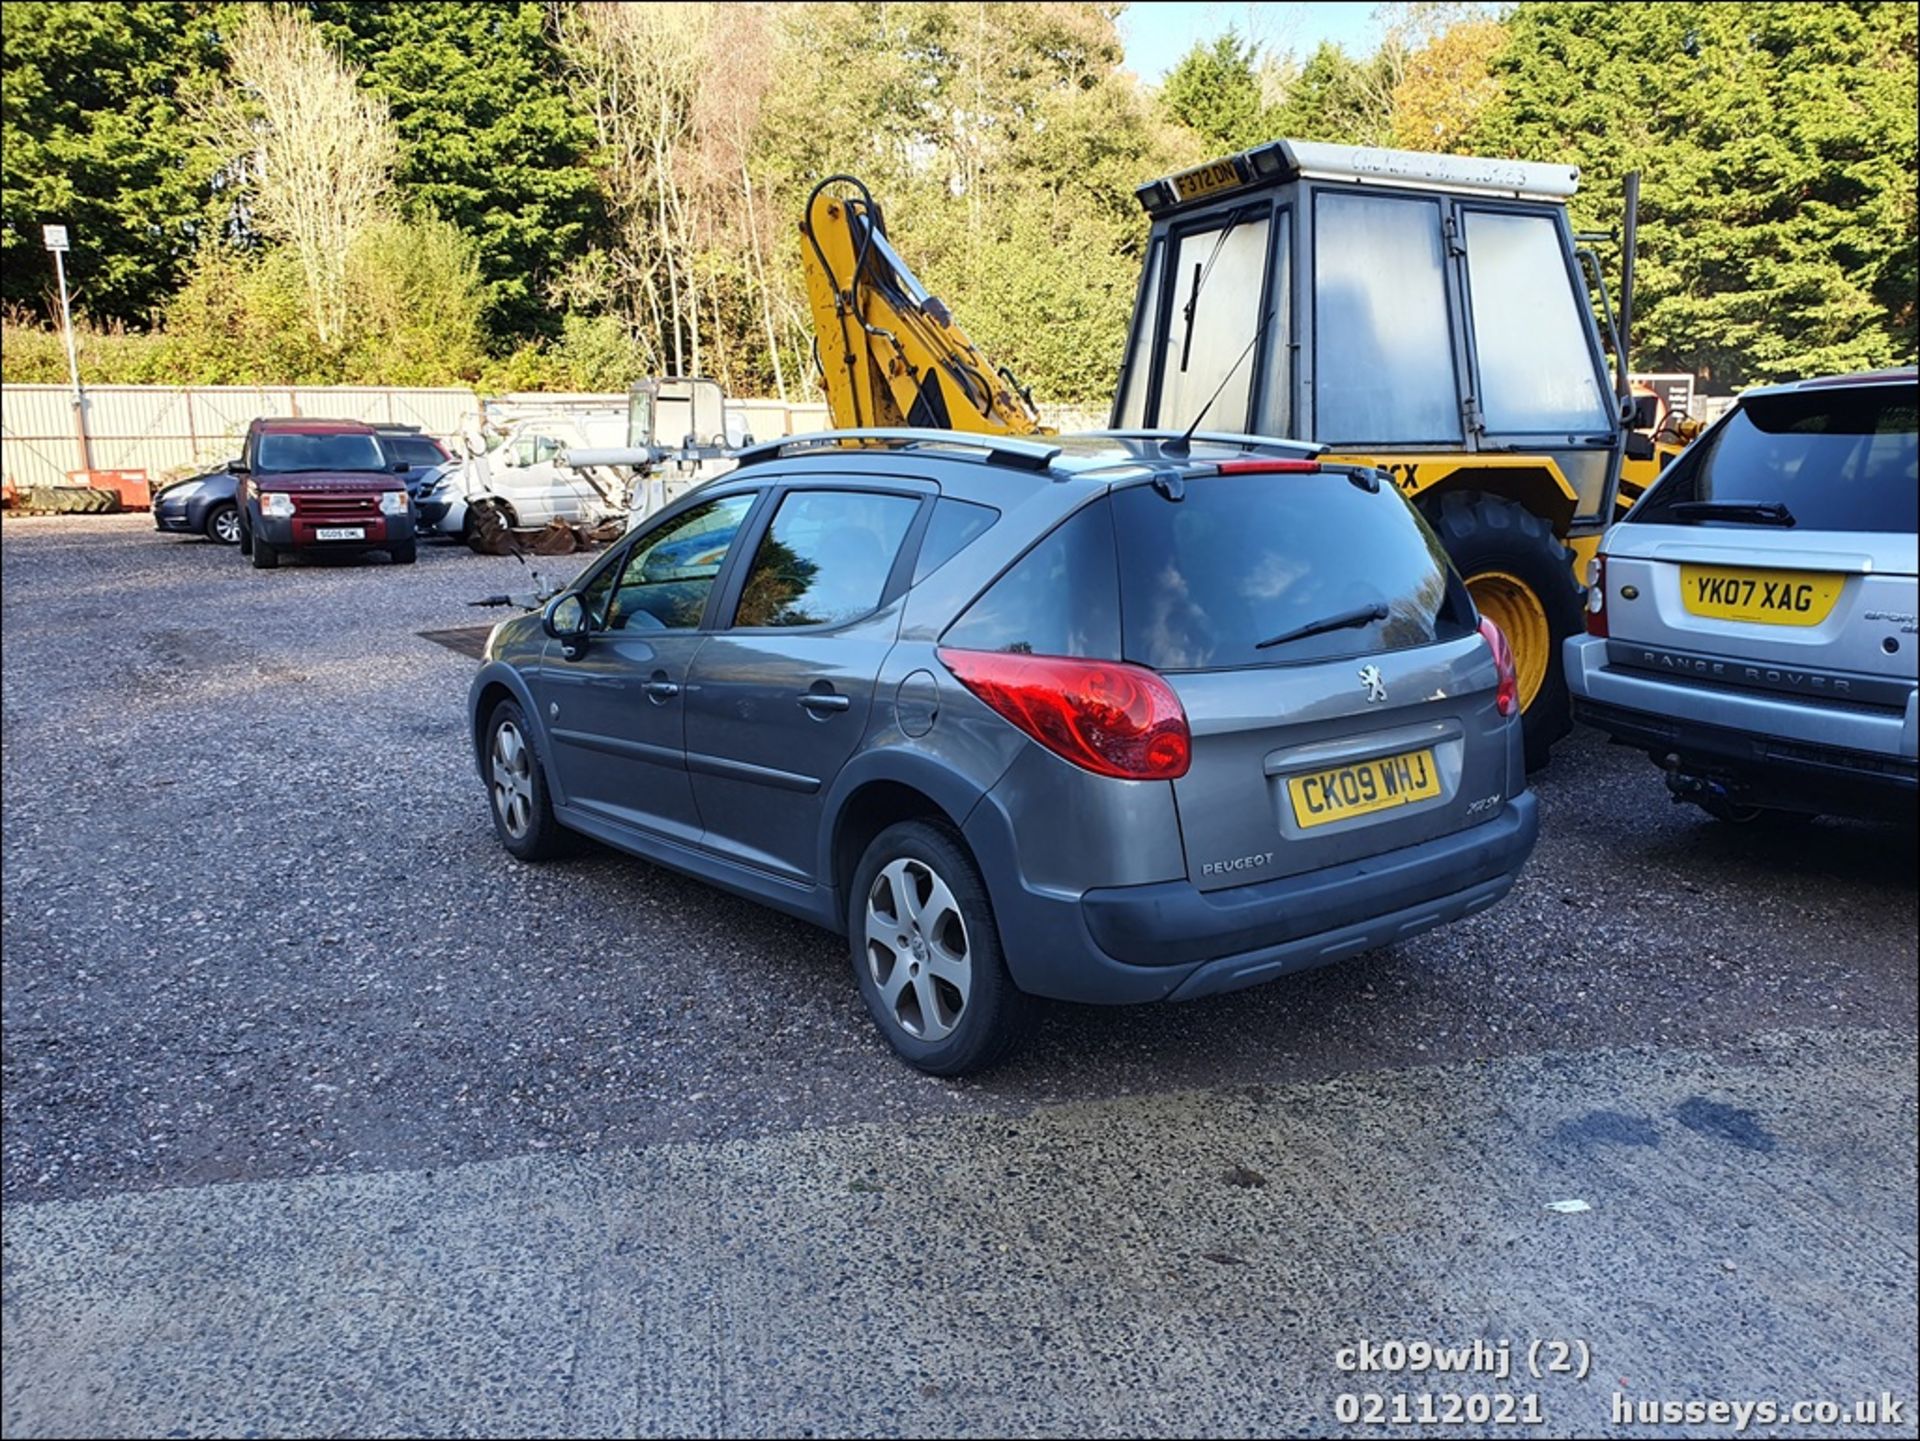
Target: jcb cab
[1427,314]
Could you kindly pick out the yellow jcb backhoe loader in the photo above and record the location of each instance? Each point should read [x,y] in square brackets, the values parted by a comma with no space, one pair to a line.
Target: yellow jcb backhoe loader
[1426,314]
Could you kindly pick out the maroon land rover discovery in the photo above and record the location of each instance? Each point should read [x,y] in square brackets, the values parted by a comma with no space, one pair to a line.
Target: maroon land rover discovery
[320,485]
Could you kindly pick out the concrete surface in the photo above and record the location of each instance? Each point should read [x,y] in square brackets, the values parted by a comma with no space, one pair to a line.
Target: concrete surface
[323,1115]
[1184,1263]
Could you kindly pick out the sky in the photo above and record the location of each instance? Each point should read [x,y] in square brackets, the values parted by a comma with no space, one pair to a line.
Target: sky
[1158,34]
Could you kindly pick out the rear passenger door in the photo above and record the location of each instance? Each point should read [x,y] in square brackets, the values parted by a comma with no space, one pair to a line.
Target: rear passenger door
[782,692]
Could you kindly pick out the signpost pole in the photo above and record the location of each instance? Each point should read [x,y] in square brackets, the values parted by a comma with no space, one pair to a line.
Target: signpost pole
[56,240]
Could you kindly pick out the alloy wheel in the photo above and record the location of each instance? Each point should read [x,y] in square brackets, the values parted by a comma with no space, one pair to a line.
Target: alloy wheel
[226,527]
[512,777]
[917,950]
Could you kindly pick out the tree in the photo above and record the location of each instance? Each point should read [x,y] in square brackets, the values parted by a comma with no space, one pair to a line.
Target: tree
[1777,146]
[639,67]
[95,138]
[1334,98]
[1444,86]
[489,139]
[312,151]
[1216,90]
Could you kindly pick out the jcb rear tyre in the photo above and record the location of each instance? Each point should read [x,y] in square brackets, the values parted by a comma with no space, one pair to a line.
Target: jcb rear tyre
[1522,580]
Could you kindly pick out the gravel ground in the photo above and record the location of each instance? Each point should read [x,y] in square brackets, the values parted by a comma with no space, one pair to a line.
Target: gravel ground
[256,924]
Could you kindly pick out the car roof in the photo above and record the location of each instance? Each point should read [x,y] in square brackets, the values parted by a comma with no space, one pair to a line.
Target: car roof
[300,425]
[1904,375]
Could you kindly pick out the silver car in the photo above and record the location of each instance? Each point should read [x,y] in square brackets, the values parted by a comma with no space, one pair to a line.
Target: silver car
[1106,718]
[1752,621]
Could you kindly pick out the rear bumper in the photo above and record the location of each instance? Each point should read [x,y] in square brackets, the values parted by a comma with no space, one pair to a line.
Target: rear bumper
[1171,941]
[1750,748]
[1681,702]
[1759,770]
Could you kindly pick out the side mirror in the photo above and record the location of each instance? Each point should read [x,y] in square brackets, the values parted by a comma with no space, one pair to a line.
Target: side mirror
[401,467]
[237,467]
[565,619]
[1642,412]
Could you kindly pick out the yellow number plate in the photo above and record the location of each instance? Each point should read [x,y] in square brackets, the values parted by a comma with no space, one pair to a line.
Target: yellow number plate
[1772,597]
[1363,787]
[1206,180]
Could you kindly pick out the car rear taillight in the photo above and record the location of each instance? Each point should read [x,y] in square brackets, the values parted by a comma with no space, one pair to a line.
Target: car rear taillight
[1105,717]
[1597,596]
[1507,698]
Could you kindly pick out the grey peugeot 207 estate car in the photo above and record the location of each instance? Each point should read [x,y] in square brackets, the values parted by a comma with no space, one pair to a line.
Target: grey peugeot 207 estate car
[1110,718]
[1752,620]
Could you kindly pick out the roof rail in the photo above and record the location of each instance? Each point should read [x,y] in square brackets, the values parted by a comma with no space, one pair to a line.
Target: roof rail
[1270,443]
[1008,450]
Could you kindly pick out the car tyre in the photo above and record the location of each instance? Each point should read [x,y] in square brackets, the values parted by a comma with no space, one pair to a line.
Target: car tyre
[246,538]
[223,524]
[517,789]
[404,552]
[927,956]
[265,556]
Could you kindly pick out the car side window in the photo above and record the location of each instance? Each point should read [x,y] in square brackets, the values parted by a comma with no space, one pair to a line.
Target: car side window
[954,525]
[1061,598]
[825,559]
[597,591]
[665,579]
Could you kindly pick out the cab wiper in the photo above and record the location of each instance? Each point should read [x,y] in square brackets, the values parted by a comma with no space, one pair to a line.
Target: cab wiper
[1343,620]
[1761,512]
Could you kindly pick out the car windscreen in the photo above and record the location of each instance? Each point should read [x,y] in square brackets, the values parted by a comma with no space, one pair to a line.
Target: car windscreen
[1276,569]
[1840,458]
[279,451]
[418,451]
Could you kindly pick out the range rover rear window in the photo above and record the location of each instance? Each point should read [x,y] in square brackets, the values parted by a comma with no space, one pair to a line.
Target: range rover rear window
[1839,459]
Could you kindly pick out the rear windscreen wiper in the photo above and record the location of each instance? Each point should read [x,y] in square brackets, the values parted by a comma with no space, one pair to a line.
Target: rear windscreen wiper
[1761,512]
[1359,615]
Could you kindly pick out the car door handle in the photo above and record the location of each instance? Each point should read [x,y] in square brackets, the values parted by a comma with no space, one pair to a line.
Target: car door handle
[662,689]
[822,702]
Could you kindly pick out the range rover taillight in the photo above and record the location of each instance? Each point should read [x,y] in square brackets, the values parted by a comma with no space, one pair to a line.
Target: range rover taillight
[1597,596]
[1104,716]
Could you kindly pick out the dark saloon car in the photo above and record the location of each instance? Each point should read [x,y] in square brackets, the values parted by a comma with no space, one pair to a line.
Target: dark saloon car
[200,505]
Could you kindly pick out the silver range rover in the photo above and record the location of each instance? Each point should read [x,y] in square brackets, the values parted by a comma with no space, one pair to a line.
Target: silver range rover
[1752,621]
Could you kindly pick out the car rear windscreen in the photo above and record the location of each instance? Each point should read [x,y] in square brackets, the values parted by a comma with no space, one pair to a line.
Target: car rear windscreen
[1244,559]
[1836,458]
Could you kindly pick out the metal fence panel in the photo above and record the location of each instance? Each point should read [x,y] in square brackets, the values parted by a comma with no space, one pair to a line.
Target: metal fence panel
[162,429]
